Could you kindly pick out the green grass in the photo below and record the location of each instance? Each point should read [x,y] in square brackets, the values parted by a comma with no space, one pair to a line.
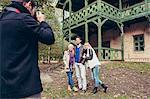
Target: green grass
[141,67]
[54,93]
[51,92]
[62,93]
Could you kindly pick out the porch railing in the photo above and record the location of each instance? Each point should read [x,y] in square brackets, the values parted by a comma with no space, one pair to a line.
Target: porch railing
[135,11]
[106,10]
[110,53]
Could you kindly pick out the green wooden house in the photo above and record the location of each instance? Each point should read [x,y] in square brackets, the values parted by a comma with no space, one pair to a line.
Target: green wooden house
[117,29]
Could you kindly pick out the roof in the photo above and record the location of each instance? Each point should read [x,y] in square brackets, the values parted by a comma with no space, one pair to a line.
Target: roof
[78,4]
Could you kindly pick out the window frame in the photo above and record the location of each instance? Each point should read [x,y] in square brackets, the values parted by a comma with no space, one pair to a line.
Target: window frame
[136,43]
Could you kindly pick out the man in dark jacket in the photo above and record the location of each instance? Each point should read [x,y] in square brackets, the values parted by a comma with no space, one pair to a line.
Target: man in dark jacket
[19,36]
[79,67]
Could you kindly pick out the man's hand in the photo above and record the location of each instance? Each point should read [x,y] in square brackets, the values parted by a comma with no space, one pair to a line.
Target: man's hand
[40,16]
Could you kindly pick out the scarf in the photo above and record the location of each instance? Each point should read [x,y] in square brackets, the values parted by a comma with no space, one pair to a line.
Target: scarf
[72,58]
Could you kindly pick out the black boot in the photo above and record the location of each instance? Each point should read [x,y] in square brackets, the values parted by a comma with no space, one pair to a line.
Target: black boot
[105,87]
[95,90]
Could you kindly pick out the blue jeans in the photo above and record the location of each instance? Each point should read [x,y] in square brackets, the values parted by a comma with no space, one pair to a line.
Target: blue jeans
[95,75]
[70,80]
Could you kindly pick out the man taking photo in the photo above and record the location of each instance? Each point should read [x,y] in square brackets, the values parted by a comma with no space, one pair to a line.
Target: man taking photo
[19,36]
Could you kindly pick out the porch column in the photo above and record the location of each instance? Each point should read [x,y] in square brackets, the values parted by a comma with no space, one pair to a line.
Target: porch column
[62,47]
[86,32]
[86,24]
[62,29]
[69,35]
[86,2]
[99,38]
[148,18]
[70,10]
[122,41]
[146,6]
[120,4]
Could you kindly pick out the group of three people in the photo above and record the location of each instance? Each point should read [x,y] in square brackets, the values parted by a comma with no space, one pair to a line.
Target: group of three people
[81,57]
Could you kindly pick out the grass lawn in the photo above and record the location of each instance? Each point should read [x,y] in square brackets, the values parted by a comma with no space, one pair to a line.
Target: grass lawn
[115,74]
[141,67]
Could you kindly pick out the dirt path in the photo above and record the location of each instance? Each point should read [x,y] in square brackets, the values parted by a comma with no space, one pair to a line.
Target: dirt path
[122,82]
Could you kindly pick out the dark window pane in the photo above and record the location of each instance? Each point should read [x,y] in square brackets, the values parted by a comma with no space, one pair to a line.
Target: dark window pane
[136,48]
[141,37]
[141,43]
[136,44]
[141,48]
[106,54]
[135,38]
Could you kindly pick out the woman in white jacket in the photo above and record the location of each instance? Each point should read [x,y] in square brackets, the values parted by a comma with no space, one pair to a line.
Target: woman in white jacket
[69,62]
[93,63]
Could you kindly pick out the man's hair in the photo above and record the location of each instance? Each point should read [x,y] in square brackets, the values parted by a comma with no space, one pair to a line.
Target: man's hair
[20,0]
[33,2]
[78,37]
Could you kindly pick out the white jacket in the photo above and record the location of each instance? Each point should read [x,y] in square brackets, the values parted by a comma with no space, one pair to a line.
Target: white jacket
[66,59]
[94,61]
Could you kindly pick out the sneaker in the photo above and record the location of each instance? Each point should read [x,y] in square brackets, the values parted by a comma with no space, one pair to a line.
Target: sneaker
[84,91]
[80,88]
[95,90]
[69,88]
[105,87]
[75,89]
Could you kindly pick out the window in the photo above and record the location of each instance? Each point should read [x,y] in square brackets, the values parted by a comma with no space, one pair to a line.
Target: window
[138,42]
